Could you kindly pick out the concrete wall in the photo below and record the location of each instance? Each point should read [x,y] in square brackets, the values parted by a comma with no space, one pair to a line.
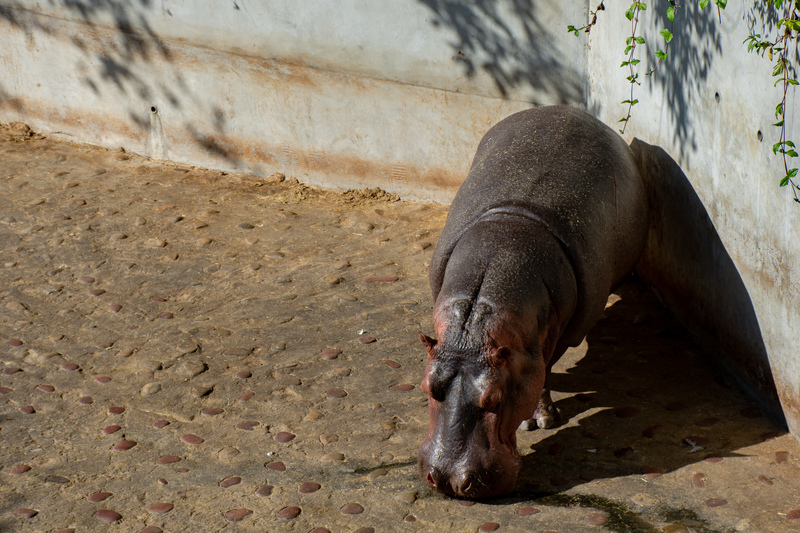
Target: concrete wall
[710,108]
[346,93]
[397,93]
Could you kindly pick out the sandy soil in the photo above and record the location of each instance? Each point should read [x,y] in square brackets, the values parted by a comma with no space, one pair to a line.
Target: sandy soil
[187,350]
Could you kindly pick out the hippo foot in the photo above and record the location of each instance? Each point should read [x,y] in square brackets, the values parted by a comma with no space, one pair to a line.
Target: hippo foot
[545,416]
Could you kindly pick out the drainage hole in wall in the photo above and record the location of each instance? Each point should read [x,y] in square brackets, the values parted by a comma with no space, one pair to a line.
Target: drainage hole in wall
[153,109]
[716,97]
[759,135]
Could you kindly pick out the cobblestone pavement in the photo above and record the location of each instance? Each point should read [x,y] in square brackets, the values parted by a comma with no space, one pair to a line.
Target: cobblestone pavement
[185,350]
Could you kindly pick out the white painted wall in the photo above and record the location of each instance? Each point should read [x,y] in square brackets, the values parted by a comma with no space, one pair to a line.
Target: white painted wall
[345,93]
[705,107]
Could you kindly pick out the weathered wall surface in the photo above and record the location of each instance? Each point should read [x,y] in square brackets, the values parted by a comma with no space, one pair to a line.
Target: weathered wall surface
[710,107]
[344,94]
[396,94]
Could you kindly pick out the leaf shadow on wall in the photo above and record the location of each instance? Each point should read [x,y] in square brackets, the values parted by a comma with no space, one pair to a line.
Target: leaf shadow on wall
[510,42]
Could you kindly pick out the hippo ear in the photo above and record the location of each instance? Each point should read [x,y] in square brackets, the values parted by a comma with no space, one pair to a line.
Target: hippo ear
[429,343]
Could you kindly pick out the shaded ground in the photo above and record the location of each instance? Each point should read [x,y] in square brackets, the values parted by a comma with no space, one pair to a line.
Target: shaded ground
[196,351]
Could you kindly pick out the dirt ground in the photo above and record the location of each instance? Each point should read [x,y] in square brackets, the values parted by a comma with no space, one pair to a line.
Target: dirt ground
[188,350]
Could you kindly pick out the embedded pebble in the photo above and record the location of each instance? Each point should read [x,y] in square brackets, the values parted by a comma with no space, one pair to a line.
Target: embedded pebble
[98,496]
[236,515]
[336,393]
[698,480]
[46,388]
[168,460]
[248,425]
[213,411]
[86,279]
[190,438]
[597,519]
[230,482]
[715,502]
[403,387]
[69,366]
[6,390]
[115,308]
[353,508]
[308,487]
[284,436]
[237,351]
[264,491]
[27,409]
[366,339]
[158,424]
[15,342]
[156,243]
[794,514]
[332,457]
[108,515]
[278,466]
[97,292]
[765,480]
[124,445]
[526,511]
[392,364]
[19,469]
[161,507]
[108,430]
[11,370]
[166,315]
[331,353]
[27,513]
[151,529]
[126,352]
[288,513]
[150,389]
[244,374]
[489,526]
[781,457]
[377,474]
[116,410]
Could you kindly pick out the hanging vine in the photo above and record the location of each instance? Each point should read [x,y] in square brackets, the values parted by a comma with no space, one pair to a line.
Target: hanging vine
[775,48]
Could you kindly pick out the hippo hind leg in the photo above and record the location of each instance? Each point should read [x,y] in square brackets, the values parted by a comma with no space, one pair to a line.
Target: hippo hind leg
[545,416]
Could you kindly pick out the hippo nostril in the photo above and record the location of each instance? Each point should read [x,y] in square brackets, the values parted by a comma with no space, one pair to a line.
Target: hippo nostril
[431,480]
[466,486]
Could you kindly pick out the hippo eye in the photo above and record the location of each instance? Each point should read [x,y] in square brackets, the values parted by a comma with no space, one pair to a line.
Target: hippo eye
[491,398]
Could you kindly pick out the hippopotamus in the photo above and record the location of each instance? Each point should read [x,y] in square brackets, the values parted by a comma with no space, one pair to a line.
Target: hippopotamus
[551,217]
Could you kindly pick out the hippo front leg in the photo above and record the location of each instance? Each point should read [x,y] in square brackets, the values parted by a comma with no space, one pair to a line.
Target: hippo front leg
[545,416]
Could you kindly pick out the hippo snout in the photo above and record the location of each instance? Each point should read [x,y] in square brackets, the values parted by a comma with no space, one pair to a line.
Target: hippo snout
[474,474]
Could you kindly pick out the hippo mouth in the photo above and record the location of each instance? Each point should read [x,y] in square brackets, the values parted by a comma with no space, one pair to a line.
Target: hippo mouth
[477,475]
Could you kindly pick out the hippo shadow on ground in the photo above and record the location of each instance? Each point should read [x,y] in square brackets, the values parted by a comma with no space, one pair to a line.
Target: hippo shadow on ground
[643,400]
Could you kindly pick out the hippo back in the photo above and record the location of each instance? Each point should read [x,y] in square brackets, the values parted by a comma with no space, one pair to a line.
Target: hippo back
[571,173]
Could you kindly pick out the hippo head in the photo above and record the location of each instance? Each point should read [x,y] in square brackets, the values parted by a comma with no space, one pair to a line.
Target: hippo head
[477,399]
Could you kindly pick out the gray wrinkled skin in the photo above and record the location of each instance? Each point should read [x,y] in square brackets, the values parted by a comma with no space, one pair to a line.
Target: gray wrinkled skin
[551,217]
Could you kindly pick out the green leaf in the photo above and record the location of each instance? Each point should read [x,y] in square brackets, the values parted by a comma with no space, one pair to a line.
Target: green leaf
[792,82]
[628,50]
[784,181]
[671,14]
[721,3]
[666,34]
[776,147]
[779,110]
[791,153]
[778,124]
[642,6]
[703,4]
[639,40]
[792,24]
[635,62]
[661,54]
[792,172]
[629,13]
